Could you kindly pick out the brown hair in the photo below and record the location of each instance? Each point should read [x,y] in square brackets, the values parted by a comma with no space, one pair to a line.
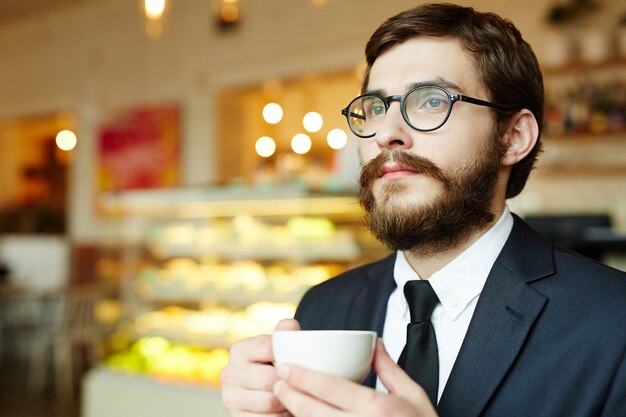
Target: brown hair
[503,60]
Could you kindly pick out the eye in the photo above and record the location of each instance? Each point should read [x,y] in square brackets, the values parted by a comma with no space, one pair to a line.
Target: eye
[374,107]
[427,100]
[434,103]
[377,109]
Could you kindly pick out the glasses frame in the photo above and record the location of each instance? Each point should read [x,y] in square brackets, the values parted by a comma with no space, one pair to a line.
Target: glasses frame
[402,99]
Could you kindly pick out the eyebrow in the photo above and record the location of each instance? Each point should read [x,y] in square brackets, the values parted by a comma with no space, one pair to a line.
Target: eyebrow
[438,82]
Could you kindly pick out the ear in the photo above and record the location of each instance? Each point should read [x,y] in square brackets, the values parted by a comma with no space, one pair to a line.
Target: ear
[520,137]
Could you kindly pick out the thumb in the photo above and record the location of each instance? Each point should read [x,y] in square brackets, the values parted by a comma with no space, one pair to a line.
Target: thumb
[391,375]
[288,324]
[399,383]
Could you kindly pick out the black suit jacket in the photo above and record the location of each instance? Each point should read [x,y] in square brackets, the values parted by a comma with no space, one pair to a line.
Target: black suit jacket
[548,336]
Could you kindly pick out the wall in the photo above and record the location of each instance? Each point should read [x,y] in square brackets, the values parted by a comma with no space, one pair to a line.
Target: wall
[94,56]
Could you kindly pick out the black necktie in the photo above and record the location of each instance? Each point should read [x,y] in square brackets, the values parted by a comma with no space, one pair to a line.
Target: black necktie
[419,358]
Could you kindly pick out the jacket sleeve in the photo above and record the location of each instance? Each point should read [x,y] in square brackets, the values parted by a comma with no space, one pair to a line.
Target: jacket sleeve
[616,400]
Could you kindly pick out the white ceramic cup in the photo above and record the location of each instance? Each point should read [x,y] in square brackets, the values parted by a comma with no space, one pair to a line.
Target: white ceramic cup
[344,353]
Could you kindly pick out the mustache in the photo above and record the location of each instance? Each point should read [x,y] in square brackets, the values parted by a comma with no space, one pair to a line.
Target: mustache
[372,169]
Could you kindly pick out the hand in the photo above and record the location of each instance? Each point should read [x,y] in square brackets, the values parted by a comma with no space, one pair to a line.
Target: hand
[307,393]
[248,379]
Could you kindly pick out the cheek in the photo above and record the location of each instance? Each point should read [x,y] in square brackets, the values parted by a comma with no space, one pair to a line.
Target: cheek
[368,150]
[454,148]
[467,132]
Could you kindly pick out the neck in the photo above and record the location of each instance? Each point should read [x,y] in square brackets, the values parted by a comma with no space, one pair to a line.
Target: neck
[426,264]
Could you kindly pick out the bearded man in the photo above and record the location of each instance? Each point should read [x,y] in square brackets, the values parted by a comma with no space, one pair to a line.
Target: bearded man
[449,126]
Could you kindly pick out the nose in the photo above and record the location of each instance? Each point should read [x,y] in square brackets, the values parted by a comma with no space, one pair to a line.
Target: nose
[394,131]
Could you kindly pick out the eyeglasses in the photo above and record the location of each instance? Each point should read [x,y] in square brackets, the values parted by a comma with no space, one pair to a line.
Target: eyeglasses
[424,108]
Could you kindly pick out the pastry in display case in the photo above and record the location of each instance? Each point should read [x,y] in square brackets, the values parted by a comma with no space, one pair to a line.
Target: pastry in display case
[198,269]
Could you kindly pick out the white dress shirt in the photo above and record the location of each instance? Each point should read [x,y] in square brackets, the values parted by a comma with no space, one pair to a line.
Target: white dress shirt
[458,286]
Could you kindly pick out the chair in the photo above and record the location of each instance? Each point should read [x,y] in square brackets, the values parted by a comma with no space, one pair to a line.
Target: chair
[19,315]
[69,326]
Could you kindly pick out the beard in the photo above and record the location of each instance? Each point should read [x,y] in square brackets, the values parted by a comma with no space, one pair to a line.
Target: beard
[462,207]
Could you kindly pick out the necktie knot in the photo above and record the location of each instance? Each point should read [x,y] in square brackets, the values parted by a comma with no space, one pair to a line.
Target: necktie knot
[421,299]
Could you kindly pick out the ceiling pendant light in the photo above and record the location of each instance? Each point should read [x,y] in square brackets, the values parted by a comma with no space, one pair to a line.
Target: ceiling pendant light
[154,12]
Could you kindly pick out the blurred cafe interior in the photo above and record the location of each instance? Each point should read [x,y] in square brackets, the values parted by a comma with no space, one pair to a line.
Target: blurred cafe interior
[175,174]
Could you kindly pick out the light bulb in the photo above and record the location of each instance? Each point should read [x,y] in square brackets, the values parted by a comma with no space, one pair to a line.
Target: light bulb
[154,8]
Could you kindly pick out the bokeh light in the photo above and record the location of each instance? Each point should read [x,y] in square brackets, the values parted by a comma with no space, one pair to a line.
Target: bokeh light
[265,146]
[272,113]
[301,143]
[337,138]
[312,122]
[66,140]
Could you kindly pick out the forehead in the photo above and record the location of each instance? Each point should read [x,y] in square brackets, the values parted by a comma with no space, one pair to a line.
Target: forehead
[421,59]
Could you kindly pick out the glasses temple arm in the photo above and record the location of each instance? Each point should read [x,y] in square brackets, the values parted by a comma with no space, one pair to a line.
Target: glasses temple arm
[356,116]
[482,102]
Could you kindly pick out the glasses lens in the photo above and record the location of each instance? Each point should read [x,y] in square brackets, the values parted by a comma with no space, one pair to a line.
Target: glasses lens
[365,115]
[427,107]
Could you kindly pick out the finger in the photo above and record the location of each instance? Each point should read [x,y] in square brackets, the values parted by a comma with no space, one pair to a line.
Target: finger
[340,393]
[261,402]
[252,376]
[299,403]
[253,349]
[396,380]
[288,324]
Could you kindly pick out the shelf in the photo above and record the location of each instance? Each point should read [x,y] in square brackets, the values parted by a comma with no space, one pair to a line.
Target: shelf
[186,338]
[206,332]
[578,66]
[214,203]
[236,298]
[578,171]
[609,137]
[584,155]
[301,251]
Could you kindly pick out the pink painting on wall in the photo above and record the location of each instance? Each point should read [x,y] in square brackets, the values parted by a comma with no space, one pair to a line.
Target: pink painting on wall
[140,148]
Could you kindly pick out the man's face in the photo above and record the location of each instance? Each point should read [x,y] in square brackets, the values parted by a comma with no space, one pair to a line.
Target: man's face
[427,191]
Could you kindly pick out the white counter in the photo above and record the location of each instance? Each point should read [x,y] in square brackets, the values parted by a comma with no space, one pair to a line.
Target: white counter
[107,394]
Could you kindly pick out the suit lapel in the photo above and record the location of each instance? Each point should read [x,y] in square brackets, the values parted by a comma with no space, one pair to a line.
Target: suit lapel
[369,308]
[505,312]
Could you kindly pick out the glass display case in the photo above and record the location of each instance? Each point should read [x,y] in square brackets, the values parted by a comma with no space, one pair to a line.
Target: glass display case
[198,269]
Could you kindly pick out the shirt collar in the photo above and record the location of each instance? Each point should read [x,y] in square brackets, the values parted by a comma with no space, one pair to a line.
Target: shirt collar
[463,278]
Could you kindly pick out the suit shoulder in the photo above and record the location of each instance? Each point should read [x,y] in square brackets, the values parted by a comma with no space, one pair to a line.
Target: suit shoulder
[348,281]
[325,305]
[590,283]
[579,265]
